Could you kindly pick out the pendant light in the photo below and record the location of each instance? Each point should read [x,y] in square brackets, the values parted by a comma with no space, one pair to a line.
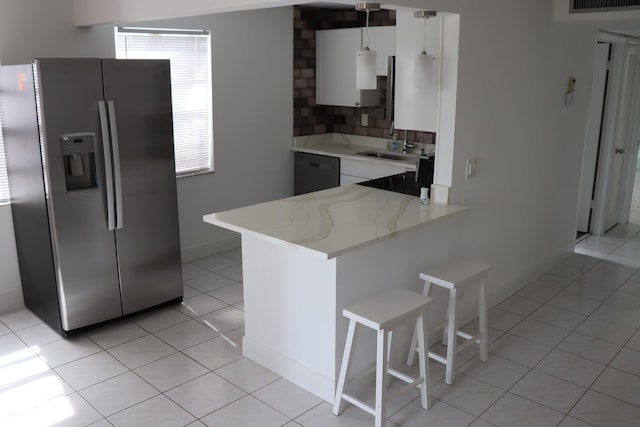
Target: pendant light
[424,62]
[366,58]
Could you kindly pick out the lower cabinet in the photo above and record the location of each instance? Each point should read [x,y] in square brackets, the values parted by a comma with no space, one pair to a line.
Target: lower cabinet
[354,171]
[313,172]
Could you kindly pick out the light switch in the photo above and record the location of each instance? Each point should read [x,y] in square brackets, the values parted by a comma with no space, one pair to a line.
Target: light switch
[470,171]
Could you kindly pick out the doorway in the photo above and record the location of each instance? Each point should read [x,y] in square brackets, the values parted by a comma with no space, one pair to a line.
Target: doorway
[611,137]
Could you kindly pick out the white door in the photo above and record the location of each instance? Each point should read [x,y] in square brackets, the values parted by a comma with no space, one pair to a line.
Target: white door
[626,126]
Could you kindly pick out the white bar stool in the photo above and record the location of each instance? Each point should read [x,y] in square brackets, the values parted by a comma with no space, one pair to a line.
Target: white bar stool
[452,276]
[383,314]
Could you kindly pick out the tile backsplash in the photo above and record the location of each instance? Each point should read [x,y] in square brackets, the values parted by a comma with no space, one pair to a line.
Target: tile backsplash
[311,119]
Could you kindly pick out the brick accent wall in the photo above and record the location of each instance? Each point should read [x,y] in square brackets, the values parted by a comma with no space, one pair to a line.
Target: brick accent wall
[312,119]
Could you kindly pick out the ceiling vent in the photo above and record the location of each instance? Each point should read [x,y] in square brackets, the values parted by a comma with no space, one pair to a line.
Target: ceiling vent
[578,6]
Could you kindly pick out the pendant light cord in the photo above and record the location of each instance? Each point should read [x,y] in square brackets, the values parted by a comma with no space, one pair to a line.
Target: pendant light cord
[366,32]
[424,36]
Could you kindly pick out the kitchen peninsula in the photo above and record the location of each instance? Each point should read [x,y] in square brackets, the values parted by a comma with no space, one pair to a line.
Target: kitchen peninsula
[307,257]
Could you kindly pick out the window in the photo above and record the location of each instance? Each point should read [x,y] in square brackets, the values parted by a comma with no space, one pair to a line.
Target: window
[190,55]
[4,183]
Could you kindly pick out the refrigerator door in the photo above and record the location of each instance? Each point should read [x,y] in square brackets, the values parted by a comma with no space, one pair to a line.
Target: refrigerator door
[138,93]
[84,249]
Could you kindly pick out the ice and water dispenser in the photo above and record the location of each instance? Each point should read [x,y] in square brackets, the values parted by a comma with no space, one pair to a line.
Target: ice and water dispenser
[79,153]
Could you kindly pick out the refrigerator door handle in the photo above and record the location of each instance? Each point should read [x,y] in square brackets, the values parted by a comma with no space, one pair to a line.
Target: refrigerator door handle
[108,169]
[116,162]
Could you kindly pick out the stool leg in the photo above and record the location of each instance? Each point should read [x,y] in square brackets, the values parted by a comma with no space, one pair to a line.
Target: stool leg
[414,341]
[452,328]
[423,361]
[382,379]
[482,318]
[345,367]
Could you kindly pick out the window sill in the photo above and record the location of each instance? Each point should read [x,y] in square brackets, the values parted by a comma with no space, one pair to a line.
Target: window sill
[195,173]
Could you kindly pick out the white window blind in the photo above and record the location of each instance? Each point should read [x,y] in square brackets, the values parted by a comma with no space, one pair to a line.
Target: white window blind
[4,183]
[190,55]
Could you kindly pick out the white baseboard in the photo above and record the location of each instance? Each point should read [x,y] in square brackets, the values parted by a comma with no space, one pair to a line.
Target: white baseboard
[195,252]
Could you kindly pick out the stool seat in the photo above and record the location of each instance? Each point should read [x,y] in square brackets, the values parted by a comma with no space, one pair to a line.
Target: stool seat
[383,314]
[387,311]
[452,276]
[455,274]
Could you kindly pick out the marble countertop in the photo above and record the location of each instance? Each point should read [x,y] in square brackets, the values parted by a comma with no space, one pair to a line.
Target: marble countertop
[347,146]
[335,221]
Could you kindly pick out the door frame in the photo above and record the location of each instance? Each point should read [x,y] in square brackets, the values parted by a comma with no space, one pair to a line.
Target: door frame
[609,134]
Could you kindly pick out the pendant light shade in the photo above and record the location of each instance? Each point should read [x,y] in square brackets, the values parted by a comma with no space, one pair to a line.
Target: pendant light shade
[366,75]
[423,70]
[424,63]
[366,69]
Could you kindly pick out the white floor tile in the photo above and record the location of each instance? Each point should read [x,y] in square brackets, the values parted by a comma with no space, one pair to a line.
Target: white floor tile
[117,333]
[157,412]
[572,422]
[555,282]
[64,351]
[162,318]
[206,394]
[200,305]
[216,352]
[190,271]
[171,371]
[91,370]
[187,334]
[569,367]
[109,397]
[234,273]
[4,329]
[38,335]
[606,331]
[321,416]
[539,332]
[548,391]
[620,385]
[624,300]
[597,292]
[589,348]
[287,398]
[224,320]
[440,414]
[496,371]
[537,292]
[63,411]
[520,306]
[141,351]
[618,315]
[572,302]
[20,319]
[558,317]
[519,350]
[231,294]
[215,262]
[512,410]
[627,360]
[247,411]
[502,320]
[468,394]
[210,282]
[247,375]
[600,410]
[634,342]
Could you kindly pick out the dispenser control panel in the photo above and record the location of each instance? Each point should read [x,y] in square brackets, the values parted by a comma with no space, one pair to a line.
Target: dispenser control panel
[78,153]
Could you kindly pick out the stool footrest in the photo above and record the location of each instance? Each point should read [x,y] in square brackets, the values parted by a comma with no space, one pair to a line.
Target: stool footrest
[392,394]
[471,341]
[468,336]
[359,403]
[436,356]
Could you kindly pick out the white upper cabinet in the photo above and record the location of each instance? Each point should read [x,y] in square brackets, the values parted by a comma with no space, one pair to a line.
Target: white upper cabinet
[336,64]
[416,105]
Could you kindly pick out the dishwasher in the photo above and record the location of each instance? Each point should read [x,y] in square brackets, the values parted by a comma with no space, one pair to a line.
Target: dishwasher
[313,172]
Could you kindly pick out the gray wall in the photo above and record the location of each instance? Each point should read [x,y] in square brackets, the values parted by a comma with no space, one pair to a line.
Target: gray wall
[252,69]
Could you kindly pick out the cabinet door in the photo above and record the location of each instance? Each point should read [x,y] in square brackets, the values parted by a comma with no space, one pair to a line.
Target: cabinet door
[336,69]
[416,108]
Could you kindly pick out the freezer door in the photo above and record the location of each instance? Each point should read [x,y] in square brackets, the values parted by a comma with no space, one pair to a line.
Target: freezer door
[147,239]
[84,249]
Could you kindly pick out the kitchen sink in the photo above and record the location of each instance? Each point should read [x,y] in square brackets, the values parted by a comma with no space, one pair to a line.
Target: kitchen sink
[388,156]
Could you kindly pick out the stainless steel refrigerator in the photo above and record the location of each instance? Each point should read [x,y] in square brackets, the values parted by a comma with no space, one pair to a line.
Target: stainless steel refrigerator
[89,148]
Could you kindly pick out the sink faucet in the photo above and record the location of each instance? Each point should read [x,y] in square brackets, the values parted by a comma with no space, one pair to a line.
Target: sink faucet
[406,144]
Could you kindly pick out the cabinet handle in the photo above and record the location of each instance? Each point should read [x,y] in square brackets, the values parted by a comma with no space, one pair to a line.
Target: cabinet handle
[314,164]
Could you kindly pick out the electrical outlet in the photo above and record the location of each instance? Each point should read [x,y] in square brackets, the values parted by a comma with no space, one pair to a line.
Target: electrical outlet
[364,120]
[470,170]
